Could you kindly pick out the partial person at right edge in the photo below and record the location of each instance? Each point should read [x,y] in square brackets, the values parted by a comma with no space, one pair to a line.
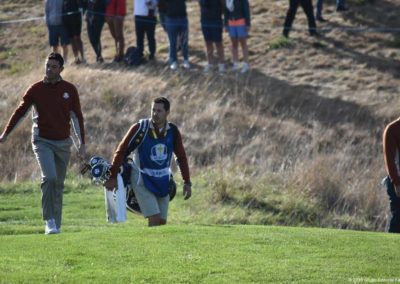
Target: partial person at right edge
[391,152]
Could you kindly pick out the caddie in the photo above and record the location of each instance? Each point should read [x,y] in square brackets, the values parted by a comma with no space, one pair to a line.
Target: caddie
[151,171]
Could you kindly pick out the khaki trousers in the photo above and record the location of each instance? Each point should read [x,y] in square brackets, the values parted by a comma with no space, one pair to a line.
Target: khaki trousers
[53,157]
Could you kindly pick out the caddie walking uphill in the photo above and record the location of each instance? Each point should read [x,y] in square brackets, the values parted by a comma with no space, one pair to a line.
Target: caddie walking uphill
[151,171]
[56,106]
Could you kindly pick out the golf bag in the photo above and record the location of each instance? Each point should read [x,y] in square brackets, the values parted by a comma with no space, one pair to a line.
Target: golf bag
[115,201]
[123,197]
[131,202]
[133,57]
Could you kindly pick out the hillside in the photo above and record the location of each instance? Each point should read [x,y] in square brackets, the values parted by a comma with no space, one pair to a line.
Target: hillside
[308,117]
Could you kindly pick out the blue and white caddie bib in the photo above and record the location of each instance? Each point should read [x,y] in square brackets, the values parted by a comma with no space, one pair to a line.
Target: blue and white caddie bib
[155,160]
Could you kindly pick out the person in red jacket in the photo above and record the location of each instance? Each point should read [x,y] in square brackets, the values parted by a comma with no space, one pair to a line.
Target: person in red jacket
[391,152]
[152,160]
[55,106]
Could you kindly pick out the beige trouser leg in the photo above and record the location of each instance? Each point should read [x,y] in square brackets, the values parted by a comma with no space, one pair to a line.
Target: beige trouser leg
[53,158]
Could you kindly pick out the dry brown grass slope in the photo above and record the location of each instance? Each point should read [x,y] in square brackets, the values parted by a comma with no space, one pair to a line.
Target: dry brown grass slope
[310,113]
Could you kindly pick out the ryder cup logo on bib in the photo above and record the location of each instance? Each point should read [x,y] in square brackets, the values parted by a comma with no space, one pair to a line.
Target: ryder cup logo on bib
[159,154]
[66,96]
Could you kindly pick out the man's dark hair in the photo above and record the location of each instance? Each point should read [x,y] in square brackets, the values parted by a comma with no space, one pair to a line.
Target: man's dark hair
[56,56]
[164,101]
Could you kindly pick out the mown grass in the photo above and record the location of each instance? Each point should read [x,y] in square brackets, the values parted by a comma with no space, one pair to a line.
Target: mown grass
[90,250]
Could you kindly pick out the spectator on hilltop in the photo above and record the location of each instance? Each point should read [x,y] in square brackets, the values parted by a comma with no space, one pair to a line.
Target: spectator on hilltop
[115,13]
[341,5]
[162,9]
[95,18]
[72,20]
[391,150]
[145,12]
[318,14]
[54,22]
[237,24]
[212,28]
[291,14]
[177,25]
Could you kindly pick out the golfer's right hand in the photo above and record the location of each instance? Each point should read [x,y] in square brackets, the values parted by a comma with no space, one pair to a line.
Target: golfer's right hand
[110,184]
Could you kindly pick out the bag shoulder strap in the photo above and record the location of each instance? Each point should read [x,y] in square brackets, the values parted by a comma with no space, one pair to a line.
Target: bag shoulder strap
[138,137]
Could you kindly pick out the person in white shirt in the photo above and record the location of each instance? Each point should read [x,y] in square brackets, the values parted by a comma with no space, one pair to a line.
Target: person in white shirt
[145,12]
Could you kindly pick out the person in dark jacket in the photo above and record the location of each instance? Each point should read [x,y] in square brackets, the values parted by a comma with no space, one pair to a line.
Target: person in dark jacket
[291,14]
[237,23]
[95,18]
[212,28]
[72,20]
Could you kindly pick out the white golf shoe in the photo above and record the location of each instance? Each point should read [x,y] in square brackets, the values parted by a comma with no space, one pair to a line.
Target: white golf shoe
[50,227]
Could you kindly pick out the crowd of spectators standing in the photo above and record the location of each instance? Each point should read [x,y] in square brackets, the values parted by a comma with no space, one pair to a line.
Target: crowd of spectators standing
[64,22]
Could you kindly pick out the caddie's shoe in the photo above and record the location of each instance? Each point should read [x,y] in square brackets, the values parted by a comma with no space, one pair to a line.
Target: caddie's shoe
[50,227]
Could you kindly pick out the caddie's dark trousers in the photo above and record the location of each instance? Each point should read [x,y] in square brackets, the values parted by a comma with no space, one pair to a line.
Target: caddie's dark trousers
[394,225]
[146,25]
[291,14]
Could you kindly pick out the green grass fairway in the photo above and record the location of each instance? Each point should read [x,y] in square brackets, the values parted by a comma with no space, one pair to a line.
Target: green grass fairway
[91,251]
[127,253]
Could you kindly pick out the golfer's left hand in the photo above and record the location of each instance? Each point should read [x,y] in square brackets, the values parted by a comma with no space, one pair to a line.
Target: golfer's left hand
[187,191]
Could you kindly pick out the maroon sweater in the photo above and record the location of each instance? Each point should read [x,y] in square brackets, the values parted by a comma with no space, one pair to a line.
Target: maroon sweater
[179,151]
[54,107]
[391,149]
